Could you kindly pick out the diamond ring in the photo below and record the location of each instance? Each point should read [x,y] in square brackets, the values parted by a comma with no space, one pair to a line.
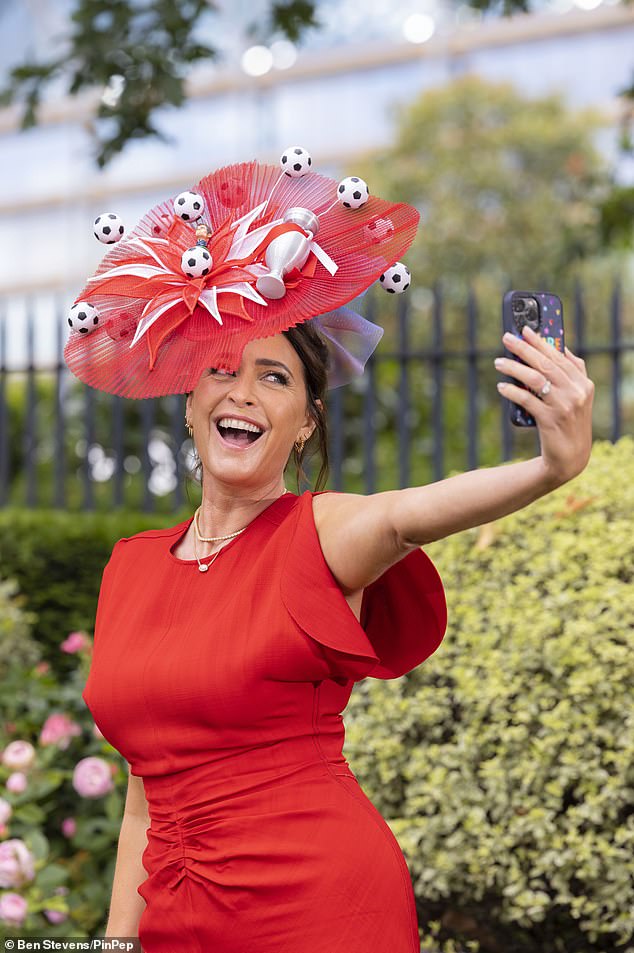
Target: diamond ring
[545,389]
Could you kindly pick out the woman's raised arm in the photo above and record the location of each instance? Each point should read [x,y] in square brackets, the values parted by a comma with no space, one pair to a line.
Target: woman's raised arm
[361,536]
[564,421]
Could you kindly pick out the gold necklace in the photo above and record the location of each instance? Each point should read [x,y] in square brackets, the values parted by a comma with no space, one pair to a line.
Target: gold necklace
[203,567]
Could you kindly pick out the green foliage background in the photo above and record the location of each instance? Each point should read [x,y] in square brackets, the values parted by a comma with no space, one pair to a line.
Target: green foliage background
[507,184]
[506,761]
[83,864]
[503,764]
[57,560]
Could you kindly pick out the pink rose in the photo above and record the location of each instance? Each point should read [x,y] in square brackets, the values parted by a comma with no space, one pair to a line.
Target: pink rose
[5,810]
[12,909]
[69,826]
[92,777]
[75,642]
[58,729]
[16,782]
[16,863]
[18,755]
[55,916]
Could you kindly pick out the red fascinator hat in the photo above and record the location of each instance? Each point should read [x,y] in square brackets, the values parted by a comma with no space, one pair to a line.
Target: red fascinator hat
[251,251]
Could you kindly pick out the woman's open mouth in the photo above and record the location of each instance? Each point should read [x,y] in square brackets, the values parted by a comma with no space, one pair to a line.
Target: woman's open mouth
[236,438]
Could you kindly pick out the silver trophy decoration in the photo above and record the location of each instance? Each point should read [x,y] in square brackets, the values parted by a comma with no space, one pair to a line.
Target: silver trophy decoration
[288,252]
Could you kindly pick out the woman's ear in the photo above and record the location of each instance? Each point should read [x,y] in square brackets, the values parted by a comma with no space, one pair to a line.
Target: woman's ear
[188,406]
[311,420]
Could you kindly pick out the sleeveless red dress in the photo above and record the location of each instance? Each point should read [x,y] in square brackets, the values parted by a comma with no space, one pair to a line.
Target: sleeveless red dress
[224,691]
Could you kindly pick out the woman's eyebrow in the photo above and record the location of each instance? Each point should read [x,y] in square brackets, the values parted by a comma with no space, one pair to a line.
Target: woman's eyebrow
[266,360]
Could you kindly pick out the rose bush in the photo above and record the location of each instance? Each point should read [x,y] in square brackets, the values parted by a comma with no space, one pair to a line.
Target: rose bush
[61,791]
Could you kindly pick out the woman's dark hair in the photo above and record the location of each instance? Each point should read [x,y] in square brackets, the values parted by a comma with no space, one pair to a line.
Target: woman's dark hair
[315,357]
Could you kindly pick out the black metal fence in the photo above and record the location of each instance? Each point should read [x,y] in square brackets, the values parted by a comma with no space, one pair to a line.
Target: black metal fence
[427,404]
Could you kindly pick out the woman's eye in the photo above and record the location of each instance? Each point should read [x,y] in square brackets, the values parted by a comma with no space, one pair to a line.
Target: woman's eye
[281,377]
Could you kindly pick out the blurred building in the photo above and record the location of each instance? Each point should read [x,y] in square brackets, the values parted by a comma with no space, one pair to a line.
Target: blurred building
[338,94]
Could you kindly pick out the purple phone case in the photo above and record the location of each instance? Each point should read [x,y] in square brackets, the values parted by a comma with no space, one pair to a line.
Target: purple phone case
[551,328]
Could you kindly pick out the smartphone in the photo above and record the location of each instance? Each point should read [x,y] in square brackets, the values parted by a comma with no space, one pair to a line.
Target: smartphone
[544,313]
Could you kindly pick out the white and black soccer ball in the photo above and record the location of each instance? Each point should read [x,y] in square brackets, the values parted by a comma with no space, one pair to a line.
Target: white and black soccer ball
[83,317]
[296,162]
[396,279]
[196,262]
[353,192]
[108,228]
[189,206]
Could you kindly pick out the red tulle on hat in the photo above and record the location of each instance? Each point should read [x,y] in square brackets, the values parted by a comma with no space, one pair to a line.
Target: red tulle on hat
[158,329]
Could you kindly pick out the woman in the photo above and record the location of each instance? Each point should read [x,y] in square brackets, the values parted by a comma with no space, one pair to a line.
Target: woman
[226,647]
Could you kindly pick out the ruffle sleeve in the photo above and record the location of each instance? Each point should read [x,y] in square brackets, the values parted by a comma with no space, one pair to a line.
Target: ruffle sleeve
[403,612]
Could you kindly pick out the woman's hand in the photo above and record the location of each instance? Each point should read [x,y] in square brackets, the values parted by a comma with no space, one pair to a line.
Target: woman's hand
[564,415]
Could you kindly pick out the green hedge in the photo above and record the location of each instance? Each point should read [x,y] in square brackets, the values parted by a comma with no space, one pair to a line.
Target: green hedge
[57,559]
[506,762]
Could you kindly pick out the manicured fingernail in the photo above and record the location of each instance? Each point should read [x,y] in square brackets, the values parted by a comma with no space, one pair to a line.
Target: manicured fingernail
[498,362]
[500,385]
[527,330]
[507,336]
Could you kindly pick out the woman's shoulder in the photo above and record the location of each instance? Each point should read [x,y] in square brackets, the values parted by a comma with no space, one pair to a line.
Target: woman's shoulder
[147,535]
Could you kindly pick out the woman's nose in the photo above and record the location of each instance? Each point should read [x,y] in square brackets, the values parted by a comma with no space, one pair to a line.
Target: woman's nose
[241,388]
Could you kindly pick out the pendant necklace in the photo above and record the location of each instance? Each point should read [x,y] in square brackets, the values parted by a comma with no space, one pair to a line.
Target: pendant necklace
[203,567]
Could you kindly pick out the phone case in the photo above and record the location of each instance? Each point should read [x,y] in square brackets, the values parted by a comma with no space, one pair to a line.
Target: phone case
[551,327]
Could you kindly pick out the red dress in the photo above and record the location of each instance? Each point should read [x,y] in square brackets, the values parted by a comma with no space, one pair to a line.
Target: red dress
[224,691]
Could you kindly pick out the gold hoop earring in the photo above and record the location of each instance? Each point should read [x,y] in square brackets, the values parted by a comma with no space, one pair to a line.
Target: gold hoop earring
[299,444]
[189,427]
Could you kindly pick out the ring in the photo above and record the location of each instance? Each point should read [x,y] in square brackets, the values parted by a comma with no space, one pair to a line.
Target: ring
[545,389]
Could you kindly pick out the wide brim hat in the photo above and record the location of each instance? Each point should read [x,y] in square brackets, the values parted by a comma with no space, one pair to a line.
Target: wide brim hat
[164,305]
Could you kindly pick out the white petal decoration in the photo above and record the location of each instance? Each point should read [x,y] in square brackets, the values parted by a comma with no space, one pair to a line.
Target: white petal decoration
[245,245]
[209,300]
[244,289]
[324,258]
[134,271]
[149,320]
[257,269]
[242,224]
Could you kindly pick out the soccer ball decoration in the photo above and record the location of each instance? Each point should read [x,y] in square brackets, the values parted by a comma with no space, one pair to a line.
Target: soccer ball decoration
[296,162]
[108,228]
[396,279]
[353,192]
[189,206]
[83,317]
[196,262]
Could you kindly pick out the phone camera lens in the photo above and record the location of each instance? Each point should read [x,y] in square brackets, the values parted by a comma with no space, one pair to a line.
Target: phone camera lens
[532,313]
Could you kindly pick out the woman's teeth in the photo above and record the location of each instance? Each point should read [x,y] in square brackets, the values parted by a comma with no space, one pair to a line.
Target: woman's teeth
[239,436]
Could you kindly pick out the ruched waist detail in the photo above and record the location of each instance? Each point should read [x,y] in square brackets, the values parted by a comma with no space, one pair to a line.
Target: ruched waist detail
[206,821]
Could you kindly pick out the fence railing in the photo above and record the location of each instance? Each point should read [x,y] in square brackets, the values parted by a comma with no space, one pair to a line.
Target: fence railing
[421,409]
